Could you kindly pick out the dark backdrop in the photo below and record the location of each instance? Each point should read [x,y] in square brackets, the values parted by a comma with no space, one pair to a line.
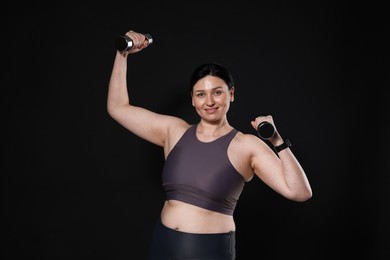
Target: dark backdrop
[75,184]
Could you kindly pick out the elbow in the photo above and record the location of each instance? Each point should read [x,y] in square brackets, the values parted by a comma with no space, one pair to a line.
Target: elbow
[109,107]
[117,112]
[112,109]
[113,113]
[303,196]
[110,112]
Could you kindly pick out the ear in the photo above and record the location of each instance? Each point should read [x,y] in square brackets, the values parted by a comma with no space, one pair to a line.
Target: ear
[192,99]
[231,94]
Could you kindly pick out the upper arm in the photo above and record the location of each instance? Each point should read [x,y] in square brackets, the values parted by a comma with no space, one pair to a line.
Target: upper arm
[147,124]
[266,165]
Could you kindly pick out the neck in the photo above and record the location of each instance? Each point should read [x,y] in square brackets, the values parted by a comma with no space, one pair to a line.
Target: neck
[215,129]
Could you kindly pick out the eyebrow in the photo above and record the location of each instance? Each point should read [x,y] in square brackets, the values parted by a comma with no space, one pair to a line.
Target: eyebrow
[215,88]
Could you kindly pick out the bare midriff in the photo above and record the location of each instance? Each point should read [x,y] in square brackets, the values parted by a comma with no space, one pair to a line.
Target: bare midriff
[185,217]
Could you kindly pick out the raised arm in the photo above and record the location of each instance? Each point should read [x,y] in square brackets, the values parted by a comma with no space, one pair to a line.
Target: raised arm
[146,124]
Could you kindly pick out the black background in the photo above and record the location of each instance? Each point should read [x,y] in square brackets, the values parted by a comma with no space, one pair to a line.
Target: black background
[75,184]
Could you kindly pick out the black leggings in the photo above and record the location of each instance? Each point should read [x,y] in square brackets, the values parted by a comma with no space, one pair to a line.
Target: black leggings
[171,244]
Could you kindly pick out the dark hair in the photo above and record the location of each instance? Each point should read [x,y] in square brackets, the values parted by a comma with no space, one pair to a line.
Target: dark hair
[211,69]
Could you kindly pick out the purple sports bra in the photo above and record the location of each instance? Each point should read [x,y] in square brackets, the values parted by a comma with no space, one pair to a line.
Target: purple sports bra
[200,173]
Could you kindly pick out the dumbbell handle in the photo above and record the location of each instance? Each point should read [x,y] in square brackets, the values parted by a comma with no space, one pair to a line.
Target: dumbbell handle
[265,130]
[124,43]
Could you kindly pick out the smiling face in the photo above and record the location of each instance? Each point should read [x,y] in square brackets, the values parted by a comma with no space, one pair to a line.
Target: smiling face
[211,98]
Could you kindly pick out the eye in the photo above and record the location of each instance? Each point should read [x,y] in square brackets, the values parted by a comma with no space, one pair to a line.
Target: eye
[218,92]
[200,94]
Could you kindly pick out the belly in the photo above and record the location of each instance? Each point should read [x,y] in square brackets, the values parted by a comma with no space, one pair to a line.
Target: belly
[184,217]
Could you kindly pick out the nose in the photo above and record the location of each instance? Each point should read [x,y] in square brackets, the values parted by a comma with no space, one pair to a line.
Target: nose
[209,100]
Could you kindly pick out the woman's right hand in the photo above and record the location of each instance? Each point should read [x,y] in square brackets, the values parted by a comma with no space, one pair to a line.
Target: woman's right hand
[140,42]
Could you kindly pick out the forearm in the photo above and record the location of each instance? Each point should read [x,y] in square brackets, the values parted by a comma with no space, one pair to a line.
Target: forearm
[117,90]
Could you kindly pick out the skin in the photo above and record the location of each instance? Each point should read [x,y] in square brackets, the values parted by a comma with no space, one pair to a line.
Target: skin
[249,155]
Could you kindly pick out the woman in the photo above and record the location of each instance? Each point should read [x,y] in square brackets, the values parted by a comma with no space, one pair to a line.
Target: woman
[206,164]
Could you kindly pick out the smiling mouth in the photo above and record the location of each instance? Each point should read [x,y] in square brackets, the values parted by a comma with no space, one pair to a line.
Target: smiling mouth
[211,110]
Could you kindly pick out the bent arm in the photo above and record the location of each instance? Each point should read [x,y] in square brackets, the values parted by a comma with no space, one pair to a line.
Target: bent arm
[282,172]
[146,124]
[119,108]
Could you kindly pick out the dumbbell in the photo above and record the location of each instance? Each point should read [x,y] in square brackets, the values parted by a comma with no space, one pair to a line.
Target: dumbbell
[265,130]
[124,43]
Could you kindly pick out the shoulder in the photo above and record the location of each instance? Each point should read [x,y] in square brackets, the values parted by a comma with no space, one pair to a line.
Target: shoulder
[244,138]
[175,131]
[177,126]
[170,125]
[248,142]
[242,150]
